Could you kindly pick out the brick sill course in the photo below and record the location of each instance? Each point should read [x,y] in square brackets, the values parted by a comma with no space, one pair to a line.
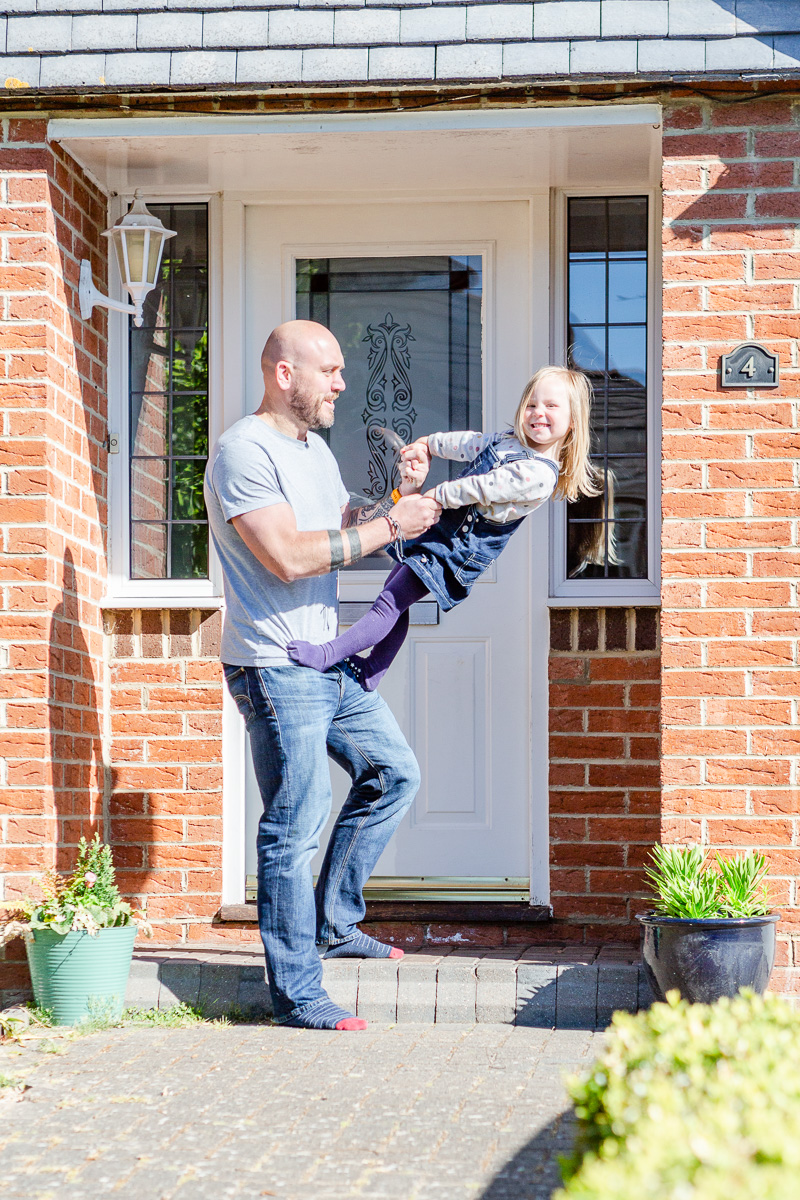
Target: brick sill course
[481,912]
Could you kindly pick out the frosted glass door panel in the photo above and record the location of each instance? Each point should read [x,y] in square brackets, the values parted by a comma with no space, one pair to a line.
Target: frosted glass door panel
[410,332]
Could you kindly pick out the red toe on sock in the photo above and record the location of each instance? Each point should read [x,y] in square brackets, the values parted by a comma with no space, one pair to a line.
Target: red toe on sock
[396,952]
[351,1024]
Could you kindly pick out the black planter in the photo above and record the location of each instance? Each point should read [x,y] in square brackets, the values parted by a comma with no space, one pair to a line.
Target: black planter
[707,959]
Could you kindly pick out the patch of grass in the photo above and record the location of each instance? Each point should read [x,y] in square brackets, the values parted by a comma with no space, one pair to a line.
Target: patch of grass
[9,1081]
[175,1017]
[41,1016]
[49,1046]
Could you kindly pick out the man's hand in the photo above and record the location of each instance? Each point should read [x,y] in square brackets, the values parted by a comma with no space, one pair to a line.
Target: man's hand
[415,514]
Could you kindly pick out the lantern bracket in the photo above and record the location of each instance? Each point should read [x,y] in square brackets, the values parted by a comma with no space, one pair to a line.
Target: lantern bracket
[89,297]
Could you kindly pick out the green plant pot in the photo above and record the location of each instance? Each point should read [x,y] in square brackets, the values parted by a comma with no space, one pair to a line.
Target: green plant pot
[78,976]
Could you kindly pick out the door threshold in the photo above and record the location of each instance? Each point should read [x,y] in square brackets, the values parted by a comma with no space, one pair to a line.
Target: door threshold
[506,889]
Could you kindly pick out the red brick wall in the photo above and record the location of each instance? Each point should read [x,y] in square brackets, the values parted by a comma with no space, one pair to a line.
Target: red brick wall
[165,764]
[52,509]
[604,768]
[731,558]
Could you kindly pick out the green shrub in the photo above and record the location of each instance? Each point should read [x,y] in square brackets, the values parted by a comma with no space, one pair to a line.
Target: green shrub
[691,1102]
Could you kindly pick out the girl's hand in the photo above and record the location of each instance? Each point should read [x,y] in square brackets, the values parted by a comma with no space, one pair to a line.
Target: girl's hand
[415,462]
[412,476]
[419,451]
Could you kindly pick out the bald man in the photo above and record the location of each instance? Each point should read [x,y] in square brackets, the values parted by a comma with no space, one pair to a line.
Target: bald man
[282,525]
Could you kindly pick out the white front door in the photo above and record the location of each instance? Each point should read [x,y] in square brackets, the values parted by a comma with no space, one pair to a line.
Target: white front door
[442,312]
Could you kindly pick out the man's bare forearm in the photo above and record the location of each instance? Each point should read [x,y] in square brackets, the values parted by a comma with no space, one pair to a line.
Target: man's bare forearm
[293,554]
[346,547]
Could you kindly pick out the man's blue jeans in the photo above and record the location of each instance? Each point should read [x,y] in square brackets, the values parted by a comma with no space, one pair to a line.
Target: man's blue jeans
[296,717]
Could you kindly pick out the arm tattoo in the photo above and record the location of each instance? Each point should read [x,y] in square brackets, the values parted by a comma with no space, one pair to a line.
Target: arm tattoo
[354,538]
[370,512]
[337,549]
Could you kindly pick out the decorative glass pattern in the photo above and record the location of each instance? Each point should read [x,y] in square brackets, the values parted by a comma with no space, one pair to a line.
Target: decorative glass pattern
[169,407]
[607,338]
[410,332]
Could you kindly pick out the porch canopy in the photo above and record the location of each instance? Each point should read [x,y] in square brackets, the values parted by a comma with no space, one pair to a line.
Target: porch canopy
[401,153]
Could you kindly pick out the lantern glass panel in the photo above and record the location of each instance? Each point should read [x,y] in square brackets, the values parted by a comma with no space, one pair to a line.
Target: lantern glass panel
[135,243]
[154,255]
[120,252]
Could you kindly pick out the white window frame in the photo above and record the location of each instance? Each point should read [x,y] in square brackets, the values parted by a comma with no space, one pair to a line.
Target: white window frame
[606,593]
[121,590]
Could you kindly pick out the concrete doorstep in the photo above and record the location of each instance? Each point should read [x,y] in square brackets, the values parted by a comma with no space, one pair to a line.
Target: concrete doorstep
[560,987]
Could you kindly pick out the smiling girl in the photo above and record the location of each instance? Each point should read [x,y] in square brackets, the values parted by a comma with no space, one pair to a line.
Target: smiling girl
[508,476]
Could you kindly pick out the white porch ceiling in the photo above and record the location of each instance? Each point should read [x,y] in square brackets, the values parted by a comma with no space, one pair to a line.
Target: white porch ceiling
[520,150]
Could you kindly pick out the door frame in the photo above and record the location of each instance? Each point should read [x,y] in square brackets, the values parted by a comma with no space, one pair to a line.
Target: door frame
[233,404]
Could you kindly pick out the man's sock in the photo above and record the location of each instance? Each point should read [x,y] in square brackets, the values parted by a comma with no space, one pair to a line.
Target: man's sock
[327,1016]
[377,663]
[363,946]
[402,589]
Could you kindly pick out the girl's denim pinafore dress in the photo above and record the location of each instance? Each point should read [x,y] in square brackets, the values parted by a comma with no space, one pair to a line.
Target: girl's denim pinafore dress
[451,555]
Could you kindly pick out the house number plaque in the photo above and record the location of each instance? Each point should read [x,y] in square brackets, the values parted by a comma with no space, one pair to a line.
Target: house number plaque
[749,366]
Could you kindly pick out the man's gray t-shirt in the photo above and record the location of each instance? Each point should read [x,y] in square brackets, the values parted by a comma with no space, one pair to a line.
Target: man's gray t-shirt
[254,466]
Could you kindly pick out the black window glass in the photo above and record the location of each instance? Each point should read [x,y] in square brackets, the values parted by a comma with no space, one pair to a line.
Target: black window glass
[169,407]
[607,338]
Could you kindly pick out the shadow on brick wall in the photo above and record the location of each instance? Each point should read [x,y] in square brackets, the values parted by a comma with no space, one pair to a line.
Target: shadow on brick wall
[78,769]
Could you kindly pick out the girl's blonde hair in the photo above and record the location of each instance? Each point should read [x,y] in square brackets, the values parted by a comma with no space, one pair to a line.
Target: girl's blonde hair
[577,477]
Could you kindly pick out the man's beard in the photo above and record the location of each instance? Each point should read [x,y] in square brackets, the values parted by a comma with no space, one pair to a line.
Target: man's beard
[309,407]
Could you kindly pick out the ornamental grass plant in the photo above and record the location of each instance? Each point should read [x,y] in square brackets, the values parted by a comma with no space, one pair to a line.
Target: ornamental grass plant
[687,885]
[691,1102]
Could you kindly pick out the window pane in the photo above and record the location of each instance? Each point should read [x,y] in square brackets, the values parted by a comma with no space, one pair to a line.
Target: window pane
[187,489]
[149,489]
[627,225]
[169,406]
[607,305]
[627,353]
[588,349]
[627,292]
[410,331]
[148,550]
[189,551]
[190,424]
[588,226]
[587,292]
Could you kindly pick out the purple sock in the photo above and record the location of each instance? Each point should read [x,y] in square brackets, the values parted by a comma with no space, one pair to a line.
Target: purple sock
[403,588]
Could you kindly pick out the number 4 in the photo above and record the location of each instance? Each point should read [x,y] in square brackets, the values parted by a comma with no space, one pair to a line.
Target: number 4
[749,368]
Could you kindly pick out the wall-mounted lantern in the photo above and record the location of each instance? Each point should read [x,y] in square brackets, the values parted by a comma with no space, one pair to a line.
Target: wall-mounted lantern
[138,239]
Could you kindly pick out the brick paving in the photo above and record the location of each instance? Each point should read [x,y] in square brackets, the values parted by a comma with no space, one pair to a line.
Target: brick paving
[404,1112]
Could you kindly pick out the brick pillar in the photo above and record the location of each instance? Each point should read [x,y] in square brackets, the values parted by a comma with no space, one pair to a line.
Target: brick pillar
[604,774]
[52,510]
[731,561]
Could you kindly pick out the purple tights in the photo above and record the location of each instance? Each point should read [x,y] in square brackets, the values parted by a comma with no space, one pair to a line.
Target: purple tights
[384,628]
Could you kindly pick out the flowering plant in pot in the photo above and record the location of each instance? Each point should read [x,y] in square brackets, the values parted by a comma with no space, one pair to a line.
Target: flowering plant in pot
[711,931]
[79,937]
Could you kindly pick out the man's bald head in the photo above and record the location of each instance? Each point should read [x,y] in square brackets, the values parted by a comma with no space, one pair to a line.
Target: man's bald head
[302,366]
[296,342]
